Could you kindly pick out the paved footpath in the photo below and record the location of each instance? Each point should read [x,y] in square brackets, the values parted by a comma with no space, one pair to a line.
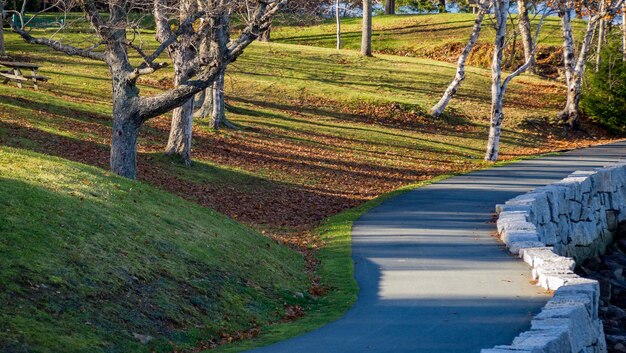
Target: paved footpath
[432,277]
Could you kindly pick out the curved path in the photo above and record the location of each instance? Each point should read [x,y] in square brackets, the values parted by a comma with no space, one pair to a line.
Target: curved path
[432,277]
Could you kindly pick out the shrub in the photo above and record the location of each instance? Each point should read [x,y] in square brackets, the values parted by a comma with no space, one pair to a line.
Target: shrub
[604,99]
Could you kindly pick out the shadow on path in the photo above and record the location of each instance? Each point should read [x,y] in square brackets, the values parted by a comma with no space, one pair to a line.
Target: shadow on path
[432,277]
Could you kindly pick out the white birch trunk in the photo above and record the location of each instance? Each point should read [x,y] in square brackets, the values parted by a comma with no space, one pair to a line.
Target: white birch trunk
[338,19]
[624,32]
[438,108]
[601,36]
[366,35]
[2,45]
[497,93]
[574,67]
[525,32]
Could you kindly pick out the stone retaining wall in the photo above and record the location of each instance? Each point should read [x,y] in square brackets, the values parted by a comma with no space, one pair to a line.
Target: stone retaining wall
[550,228]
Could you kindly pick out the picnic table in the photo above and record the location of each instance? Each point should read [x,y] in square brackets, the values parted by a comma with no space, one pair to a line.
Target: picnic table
[12,71]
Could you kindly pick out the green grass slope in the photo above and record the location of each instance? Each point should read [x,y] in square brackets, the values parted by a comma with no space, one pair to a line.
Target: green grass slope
[89,259]
[414,34]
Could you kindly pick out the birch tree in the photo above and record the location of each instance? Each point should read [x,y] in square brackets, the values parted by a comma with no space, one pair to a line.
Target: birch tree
[338,21]
[574,65]
[131,109]
[366,31]
[498,83]
[437,109]
[601,36]
[2,45]
[523,21]
[624,31]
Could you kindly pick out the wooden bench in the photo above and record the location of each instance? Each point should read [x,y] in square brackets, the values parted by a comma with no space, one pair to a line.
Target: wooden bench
[14,73]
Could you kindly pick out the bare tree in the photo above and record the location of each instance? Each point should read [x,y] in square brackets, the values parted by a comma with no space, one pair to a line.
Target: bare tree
[338,20]
[2,45]
[130,109]
[366,35]
[523,22]
[624,31]
[390,7]
[574,67]
[498,84]
[437,109]
[601,37]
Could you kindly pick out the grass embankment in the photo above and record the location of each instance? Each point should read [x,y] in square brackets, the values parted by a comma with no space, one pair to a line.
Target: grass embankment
[89,260]
[322,132]
[436,36]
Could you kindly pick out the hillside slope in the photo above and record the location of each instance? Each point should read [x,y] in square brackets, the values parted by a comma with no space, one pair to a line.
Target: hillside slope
[435,36]
[95,263]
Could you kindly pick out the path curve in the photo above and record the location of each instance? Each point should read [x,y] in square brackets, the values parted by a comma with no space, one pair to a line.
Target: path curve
[432,277]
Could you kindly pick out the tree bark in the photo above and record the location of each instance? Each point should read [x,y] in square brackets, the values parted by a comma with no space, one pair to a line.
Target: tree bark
[2,45]
[624,32]
[524,28]
[203,104]
[442,6]
[601,36]
[438,109]
[574,67]
[265,35]
[126,125]
[338,20]
[183,53]
[218,114]
[497,91]
[390,7]
[366,35]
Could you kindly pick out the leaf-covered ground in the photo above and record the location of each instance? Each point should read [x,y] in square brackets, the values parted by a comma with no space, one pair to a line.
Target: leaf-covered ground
[321,132]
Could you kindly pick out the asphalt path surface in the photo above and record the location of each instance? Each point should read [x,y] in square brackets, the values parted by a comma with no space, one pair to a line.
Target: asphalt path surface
[432,276]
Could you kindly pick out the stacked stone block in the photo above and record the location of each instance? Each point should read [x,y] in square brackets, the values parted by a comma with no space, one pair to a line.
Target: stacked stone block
[550,228]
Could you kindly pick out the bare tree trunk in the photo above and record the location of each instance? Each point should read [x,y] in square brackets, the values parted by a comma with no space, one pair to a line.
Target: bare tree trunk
[2,46]
[497,91]
[390,7]
[179,142]
[126,125]
[438,109]
[601,36]
[442,6]
[182,53]
[624,32]
[265,35]
[203,105]
[218,114]
[495,130]
[524,28]
[574,68]
[338,19]
[366,35]
[569,115]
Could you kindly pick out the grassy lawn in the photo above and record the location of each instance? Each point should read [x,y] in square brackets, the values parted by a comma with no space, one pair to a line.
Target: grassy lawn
[322,133]
[109,258]
[435,36]
[409,33]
